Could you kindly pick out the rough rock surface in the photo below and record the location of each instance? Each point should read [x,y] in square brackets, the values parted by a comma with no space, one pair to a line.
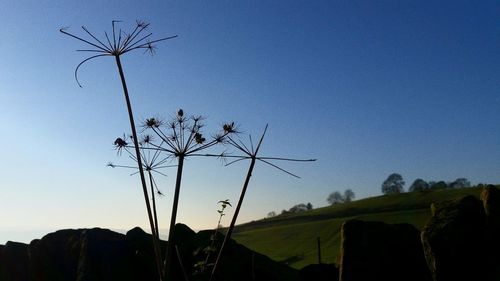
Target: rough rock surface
[491,202]
[453,240]
[380,251]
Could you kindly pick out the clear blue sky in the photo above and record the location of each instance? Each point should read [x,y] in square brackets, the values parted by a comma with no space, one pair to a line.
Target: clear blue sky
[367,87]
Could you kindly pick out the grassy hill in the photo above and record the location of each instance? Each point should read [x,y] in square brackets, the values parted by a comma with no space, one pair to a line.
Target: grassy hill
[292,238]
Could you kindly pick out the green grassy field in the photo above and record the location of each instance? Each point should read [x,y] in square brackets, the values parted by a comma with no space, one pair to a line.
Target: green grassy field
[292,238]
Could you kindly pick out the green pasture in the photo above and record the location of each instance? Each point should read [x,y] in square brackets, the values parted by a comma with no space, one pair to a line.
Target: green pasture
[292,238]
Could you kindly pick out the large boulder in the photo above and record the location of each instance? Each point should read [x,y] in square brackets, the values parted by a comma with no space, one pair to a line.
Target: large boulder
[100,254]
[240,263]
[491,202]
[55,256]
[105,255]
[14,262]
[453,240]
[379,251]
[141,243]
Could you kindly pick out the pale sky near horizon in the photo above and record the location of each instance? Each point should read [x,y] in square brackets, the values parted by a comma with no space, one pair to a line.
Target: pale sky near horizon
[367,87]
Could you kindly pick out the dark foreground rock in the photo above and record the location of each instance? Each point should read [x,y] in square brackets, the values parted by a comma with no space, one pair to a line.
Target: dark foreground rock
[380,251]
[14,262]
[461,240]
[491,202]
[319,272]
[453,240]
[100,254]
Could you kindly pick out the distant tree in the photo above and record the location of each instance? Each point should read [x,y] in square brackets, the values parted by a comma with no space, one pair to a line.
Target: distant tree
[335,198]
[348,195]
[393,184]
[271,214]
[419,185]
[283,212]
[298,208]
[309,206]
[439,185]
[460,183]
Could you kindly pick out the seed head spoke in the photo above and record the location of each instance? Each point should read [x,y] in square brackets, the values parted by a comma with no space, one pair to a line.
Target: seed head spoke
[260,141]
[279,168]
[287,159]
[237,160]
[84,61]
[95,38]
[83,40]
[109,42]
[94,51]
[134,44]
[114,35]
[144,45]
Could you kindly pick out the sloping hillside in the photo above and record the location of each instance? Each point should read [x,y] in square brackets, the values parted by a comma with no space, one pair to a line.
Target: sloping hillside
[292,238]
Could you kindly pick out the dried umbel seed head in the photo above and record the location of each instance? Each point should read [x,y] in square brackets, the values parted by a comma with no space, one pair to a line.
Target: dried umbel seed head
[147,139]
[152,123]
[180,113]
[199,138]
[229,128]
[219,138]
[141,23]
[118,41]
[197,118]
[119,142]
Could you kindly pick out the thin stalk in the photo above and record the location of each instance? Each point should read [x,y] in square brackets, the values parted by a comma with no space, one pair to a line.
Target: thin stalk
[215,235]
[139,163]
[183,269]
[168,265]
[235,215]
[155,216]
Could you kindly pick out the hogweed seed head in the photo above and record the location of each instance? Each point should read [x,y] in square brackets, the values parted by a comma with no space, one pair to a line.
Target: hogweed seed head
[119,142]
[229,128]
[152,123]
[117,43]
[147,139]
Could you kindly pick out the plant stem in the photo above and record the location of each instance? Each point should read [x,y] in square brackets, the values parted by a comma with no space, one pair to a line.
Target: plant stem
[155,216]
[168,265]
[139,163]
[235,215]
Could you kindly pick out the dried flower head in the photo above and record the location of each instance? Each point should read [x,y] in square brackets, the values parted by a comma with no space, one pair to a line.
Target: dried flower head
[229,128]
[117,43]
[152,123]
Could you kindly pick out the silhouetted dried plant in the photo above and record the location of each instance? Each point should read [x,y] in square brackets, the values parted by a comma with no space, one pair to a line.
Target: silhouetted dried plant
[117,44]
[201,267]
[152,160]
[182,137]
[249,152]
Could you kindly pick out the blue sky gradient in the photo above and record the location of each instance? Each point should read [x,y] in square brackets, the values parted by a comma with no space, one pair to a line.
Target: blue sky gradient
[367,87]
